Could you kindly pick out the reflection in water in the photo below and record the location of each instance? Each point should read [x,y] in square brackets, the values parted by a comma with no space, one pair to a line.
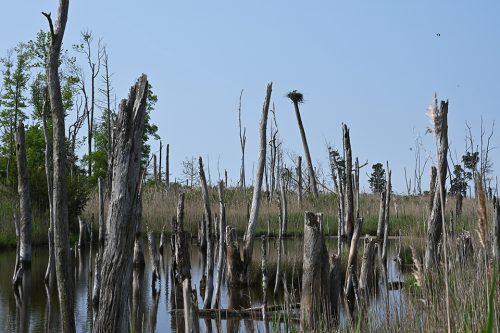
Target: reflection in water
[22,294]
[36,306]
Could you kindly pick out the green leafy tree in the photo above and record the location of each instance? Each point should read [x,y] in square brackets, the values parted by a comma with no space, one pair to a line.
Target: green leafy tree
[377,178]
[460,180]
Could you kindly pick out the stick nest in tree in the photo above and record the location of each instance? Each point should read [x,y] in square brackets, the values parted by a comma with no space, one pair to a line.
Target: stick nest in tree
[295,96]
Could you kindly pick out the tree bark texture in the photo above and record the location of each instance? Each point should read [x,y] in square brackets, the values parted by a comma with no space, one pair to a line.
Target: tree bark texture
[349,194]
[435,222]
[316,271]
[124,209]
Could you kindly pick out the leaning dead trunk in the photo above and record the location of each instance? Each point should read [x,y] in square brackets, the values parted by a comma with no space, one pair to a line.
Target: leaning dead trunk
[435,222]
[254,211]
[24,238]
[60,201]
[314,299]
[116,272]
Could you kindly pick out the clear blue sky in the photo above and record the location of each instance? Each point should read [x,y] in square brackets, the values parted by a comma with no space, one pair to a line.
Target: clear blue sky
[374,65]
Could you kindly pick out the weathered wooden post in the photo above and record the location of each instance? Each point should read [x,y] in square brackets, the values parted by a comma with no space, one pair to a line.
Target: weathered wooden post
[222,238]
[439,118]
[316,272]
[207,302]
[24,233]
[124,211]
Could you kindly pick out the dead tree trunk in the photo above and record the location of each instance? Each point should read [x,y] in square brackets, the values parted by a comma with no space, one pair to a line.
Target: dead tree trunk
[299,181]
[388,191]
[167,166]
[243,141]
[316,271]
[24,200]
[60,201]
[349,195]
[101,244]
[335,281]
[82,227]
[367,276]
[432,189]
[356,187]
[297,98]
[50,274]
[159,166]
[351,280]
[254,211]
[284,206]
[209,289]
[496,234]
[381,216]
[222,239]
[435,222]
[124,210]
[155,170]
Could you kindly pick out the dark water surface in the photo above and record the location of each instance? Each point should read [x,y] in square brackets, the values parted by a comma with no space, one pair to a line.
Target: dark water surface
[37,310]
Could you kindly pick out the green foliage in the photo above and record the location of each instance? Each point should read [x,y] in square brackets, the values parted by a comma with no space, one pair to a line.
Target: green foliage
[377,178]
[459,180]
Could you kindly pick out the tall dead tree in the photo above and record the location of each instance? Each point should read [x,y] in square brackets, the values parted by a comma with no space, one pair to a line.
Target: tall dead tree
[167,166]
[439,119]
[60,201]
[297,98]
[209,274]
[24,233]
[349,191]
[222,238]
[284,205]
[315,300]
[238,267]
[243,141]
[124,209]
[50,273]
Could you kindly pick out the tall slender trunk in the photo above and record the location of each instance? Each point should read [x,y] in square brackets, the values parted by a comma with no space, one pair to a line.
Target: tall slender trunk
[167,166]
[299,181]
[222,237]
[60,201]
[209,289]
[306,149]
[124,211]
[349,213]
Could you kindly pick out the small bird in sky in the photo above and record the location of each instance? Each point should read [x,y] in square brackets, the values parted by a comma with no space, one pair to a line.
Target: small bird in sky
[438,34]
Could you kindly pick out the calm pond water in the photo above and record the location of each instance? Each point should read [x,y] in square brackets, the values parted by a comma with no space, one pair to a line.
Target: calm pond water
[38,311]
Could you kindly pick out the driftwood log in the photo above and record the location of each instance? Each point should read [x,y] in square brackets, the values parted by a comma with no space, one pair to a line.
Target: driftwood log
[124,211]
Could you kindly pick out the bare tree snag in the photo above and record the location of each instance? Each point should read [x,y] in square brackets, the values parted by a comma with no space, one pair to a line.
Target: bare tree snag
[299,181]
[351,281]
[167,166]
[335,287]
[222,240]
[388,191]
[235,269]
[207,302]
[367,275]
[82,237]
[297,98]
[24,198]
[160,161]
[349,195]
[124,210]
[316,272]
[50,274]
[496,234]
[155,169]
[254,211]
[243,141]
[356,187]
[381,216]
[284,206]
[435,222]
[60,201]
